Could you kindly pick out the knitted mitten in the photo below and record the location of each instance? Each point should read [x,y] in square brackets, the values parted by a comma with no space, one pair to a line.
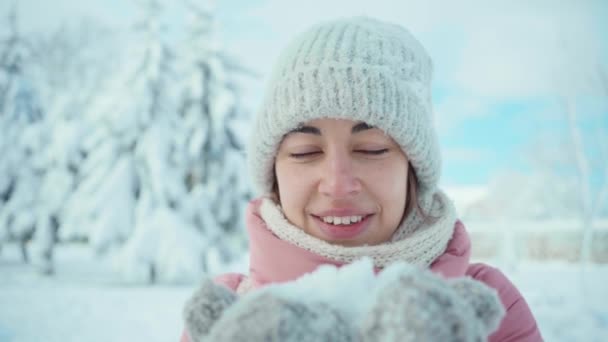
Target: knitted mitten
[484,302]
[267,317]
[205,307]
[420,306]
[403,303]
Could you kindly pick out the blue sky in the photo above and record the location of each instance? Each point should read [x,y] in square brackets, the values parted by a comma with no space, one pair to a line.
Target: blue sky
[500,68]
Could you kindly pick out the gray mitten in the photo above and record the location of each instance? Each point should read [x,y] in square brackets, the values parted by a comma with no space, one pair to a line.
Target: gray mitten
[421,306]
[270,318]
[205,307]
[403,303]
[484,301]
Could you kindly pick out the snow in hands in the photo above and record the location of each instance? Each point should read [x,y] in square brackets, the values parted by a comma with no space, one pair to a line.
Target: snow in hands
[351,303]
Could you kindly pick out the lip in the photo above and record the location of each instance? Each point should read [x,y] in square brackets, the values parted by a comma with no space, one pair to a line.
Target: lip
[342,212]
[333,232]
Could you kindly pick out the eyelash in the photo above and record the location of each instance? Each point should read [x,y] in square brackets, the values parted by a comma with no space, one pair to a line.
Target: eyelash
[374,152]
[368,152]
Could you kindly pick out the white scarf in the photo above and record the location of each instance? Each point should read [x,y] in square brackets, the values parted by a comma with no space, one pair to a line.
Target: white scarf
[416,241]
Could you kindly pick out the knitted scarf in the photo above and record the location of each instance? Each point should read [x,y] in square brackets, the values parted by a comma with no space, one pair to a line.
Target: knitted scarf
[417,241]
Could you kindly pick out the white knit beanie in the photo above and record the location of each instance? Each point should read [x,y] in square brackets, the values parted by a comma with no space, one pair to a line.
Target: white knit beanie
[360,69]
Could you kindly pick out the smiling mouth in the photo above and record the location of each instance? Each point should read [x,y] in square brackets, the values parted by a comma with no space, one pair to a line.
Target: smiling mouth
[342,227]
[342,220]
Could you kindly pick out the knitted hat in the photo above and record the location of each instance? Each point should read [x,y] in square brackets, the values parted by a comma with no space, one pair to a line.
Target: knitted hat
[359,69]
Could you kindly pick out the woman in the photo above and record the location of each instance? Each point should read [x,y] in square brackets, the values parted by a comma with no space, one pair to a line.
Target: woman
[346,156]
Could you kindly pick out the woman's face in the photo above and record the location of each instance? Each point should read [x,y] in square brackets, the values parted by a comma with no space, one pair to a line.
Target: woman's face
[342,181]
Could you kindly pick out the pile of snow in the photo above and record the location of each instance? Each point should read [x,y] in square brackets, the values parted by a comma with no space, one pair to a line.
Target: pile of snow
[401,303]
[339,286]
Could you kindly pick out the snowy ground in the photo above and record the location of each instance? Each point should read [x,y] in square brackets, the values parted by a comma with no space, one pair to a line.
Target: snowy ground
[84,302]
[568,304]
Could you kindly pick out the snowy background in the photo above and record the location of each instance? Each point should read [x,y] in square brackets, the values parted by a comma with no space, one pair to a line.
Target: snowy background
[122,134]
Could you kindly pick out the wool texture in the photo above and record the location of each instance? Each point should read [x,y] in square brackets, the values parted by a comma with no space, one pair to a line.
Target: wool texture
[434,309]
[271,318]
[205,307]
[360,69]
[417,241]
[402,303]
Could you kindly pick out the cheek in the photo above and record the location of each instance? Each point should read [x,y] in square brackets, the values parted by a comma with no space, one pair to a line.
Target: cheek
[289,179]
[389,177]
[388,182]
[294,191]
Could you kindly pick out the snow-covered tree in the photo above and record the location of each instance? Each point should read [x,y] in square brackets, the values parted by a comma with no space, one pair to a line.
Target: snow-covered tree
[23,137]
[590,169]
[191,161]
[136,108]
[568,155]
[577,152]
[70,67]
[49,82]
[585,137]
[212,118]
[162,188]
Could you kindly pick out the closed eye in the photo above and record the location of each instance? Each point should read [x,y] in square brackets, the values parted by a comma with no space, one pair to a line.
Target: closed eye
[373,152]
[313,153]
[304,155]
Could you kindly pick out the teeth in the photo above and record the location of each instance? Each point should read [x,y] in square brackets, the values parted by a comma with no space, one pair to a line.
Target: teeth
[342,220]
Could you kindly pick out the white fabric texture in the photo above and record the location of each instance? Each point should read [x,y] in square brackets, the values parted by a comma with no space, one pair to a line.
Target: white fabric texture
[416,241]
[360,69]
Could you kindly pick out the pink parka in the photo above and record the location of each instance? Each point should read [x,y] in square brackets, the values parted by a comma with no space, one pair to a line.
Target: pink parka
[273,260]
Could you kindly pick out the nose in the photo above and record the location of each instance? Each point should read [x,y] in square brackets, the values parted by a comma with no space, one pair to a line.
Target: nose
[338,176]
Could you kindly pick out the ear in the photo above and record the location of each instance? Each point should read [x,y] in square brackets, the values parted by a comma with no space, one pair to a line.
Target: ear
[485,302]
[205,307]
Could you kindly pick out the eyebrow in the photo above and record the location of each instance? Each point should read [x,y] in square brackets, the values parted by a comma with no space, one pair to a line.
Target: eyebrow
[306,129]
[360,127]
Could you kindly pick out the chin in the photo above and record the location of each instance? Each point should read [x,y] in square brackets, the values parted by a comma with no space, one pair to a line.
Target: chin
[343,242]
[350,243]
